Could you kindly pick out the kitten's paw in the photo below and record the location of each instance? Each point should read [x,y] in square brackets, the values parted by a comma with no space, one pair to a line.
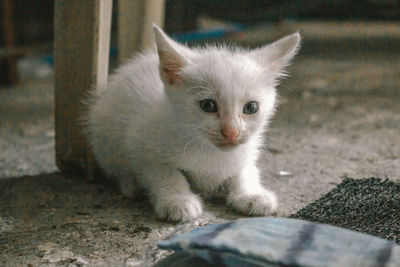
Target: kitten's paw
[178,208]
[258,204]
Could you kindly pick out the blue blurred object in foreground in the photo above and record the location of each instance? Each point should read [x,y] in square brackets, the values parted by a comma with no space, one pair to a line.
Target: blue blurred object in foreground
[279,242]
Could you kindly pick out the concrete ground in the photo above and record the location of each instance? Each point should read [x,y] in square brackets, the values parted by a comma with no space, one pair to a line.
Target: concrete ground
[339,117]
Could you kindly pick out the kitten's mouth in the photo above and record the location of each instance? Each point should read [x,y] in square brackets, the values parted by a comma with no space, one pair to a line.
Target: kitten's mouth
[227,145]
[224,144]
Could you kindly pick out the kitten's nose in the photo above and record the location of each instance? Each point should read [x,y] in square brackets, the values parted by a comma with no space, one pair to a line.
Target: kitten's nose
[230,133]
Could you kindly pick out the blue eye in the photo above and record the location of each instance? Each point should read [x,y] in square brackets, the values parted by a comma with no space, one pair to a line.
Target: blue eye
[250,108]
[208,105]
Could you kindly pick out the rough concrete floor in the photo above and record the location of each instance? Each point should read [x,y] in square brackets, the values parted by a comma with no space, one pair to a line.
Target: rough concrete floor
[339,117]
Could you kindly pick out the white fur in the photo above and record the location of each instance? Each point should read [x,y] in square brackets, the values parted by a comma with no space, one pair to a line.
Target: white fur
[148,132]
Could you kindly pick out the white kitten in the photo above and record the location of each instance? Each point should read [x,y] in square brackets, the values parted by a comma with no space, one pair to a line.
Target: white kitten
[183,118]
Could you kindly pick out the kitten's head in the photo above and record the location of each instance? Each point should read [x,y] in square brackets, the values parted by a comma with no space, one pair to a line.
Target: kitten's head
[223,95]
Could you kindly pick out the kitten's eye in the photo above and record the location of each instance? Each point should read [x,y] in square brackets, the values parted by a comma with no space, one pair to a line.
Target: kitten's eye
[250,108]
[208,105]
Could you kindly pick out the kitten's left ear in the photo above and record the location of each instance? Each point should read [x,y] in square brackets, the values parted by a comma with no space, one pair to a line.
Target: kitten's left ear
[278,54]
[171,60]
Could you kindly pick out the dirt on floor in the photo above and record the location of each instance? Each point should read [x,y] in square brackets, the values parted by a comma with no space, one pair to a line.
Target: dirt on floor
[339,117]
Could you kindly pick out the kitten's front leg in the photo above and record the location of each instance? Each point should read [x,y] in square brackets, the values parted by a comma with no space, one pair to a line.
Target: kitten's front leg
[170,194]
[247,195]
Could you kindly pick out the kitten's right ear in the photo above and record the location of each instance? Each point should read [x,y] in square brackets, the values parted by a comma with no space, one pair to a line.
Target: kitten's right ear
[277,55]
[171,60]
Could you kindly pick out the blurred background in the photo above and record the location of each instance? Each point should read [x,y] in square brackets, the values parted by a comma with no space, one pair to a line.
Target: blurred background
[351,31]
[27,27]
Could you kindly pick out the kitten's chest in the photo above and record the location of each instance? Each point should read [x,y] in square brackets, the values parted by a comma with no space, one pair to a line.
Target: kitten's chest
[205,184]
[213,167]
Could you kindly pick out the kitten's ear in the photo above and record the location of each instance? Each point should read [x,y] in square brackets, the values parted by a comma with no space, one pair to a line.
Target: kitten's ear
[171,60]
[278,54]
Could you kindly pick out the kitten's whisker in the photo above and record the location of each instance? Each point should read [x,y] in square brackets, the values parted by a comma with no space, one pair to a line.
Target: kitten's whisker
[269,158]
[276,135]
[190,141]
[275,130]
[190,135]
[274,146]
[274,139]
[208,131]
[202,146]
[191,126]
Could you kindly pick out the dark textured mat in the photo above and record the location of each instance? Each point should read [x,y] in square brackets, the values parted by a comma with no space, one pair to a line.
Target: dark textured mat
[370,205]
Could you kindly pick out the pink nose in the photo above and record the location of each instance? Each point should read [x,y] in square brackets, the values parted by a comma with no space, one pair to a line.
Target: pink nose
[230,133]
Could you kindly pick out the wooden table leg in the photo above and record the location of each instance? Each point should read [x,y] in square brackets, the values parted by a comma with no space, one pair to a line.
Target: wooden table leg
[8,64]
[135,18]
[81,50]
[153,13]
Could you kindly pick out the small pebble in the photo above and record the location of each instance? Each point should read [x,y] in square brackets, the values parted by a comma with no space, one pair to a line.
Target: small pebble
[284,173]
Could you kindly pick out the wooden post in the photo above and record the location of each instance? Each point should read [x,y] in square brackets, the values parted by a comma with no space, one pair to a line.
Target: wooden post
[153,13]
[130,13]
[135,18]
[8,64]
[81,49]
